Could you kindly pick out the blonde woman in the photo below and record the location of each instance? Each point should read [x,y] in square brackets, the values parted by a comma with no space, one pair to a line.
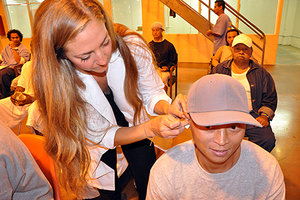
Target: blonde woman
[84,79]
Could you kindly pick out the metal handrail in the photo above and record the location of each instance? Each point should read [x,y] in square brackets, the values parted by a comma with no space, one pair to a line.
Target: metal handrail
[250,25]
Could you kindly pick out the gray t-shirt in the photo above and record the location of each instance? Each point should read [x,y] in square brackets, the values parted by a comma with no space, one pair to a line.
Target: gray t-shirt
[178,175]
[221,27]
[20,176]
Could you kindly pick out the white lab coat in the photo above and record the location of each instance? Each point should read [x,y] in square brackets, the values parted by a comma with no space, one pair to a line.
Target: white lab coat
[101,120]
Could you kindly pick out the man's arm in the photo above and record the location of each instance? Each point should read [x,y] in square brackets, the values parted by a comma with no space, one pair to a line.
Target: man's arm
[278,187]
[220,27]
[210,32]
[158,187]
[217,57]
[269,96]
[24,54]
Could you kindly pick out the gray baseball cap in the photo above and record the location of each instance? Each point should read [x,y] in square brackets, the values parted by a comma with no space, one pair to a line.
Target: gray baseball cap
[157,25]
[218,99]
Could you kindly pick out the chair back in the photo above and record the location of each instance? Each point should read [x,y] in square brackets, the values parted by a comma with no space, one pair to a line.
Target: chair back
[173,79]
[35,144]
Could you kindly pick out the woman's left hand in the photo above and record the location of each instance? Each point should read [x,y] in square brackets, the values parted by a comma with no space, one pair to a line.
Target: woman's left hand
[178,107]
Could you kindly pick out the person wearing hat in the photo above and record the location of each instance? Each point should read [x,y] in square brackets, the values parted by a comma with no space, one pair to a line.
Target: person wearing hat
[164,52]
[217,163]
[260,88]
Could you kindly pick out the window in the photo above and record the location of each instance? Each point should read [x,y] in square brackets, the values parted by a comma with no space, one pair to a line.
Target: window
[177,24]
[128,12]
[20,14]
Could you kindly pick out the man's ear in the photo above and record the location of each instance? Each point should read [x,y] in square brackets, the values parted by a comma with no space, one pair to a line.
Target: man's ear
[251,52]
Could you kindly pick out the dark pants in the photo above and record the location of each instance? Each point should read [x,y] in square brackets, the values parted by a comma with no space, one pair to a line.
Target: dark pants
[110,158]
[141,157]
[6,76]
[264,137]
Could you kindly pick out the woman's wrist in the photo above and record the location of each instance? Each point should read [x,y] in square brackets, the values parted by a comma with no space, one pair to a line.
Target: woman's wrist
[147,130]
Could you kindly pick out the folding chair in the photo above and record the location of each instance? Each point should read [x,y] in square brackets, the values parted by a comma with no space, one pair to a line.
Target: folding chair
[35,144]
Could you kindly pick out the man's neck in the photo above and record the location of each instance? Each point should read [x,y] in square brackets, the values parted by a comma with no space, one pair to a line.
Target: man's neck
[239,68]
[220,13]
[158,39]
[15,45]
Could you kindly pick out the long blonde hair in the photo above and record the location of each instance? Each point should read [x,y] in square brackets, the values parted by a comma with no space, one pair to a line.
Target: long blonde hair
[56,86]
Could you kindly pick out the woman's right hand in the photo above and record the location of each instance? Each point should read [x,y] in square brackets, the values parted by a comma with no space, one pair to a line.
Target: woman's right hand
[165,126]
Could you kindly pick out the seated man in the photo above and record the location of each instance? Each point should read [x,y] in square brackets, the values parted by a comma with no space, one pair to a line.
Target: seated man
[20,176]
[12,55]
[15,108]
[260,88]
[218,163]
[164,52]
[224,52]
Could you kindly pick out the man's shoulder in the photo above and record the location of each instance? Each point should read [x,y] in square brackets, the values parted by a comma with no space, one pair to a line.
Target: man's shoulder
[168,42]
[22,46]
[223,66]
[181,152]
[6,47]
[257,155]
[224,17]
[258,68]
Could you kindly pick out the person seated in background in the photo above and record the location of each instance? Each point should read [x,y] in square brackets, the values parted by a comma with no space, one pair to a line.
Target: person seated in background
[224,52]
[15,108]
[164,51]
[20,176]
[217,163]
[260,88]
[12,55]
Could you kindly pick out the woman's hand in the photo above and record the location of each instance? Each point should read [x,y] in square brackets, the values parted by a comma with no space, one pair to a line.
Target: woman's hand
[165,126]
[178,107]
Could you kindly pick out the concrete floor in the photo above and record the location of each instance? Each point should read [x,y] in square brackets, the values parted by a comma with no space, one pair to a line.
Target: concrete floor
[285,124]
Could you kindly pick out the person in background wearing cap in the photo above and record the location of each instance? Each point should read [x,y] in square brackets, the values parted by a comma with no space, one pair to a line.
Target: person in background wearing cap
[217,163]
[260,88]
[220,28]
[164,51]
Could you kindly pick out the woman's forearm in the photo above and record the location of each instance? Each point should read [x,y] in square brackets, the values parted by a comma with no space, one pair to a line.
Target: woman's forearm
[165,126]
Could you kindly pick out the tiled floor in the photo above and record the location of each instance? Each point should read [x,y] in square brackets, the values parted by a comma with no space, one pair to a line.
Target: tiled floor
[286,123]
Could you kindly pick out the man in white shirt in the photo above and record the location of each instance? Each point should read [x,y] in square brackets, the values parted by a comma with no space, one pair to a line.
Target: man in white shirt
[260,88]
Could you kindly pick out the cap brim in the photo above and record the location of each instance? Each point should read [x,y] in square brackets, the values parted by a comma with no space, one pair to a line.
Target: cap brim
[223,117]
